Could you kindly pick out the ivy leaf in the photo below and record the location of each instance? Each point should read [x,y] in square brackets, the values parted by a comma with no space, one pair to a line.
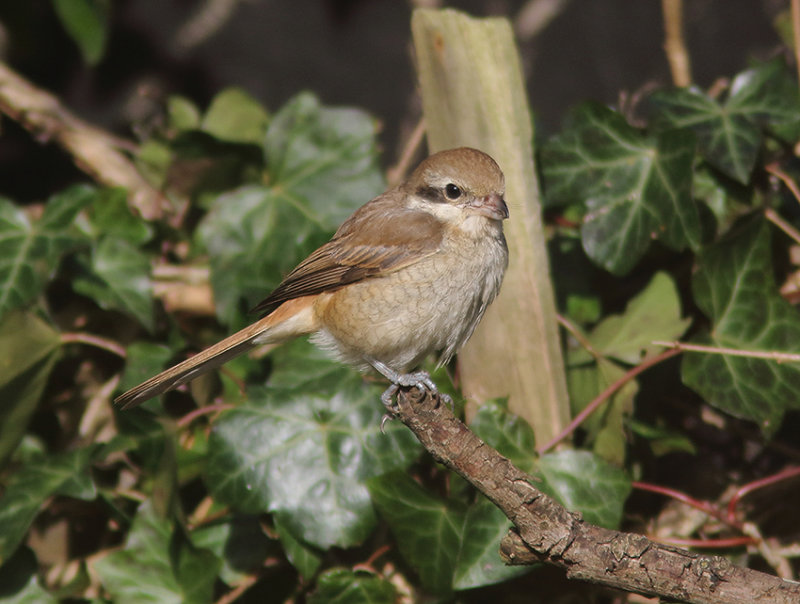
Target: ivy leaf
[110,216]
[254,237]
[19,580]
[28,351]
[585,483]
[30,251]
[304,454]
[635,188]
[239,542]
[735,288]
[118,277]
[86,21]
[606,427]
[323,158]
[143,360]
[303,557]
[322,166]
[340,586]
[157,565]
[653,314]
[33,484]
[428,530]
[479,562]
[729,132]
[235,116]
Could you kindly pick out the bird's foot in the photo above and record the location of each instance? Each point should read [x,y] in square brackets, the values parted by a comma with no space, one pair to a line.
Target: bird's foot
[417,379]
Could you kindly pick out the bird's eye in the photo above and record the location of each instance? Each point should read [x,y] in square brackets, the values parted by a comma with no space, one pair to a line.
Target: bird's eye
[452,192]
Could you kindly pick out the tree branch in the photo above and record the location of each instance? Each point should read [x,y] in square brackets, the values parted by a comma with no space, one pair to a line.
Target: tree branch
[94,151]
[546,532]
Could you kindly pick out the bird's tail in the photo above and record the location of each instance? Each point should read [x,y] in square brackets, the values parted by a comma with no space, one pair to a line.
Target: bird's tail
[290,320]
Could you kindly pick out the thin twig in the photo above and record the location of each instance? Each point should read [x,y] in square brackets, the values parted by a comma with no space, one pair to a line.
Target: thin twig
[770,355]
[675,43]
[704,506]
[93,150]
[758,484]
[397,173]
[605,395]
[96,341]
[775,170]
[578,335]
[779,222]
[193,415]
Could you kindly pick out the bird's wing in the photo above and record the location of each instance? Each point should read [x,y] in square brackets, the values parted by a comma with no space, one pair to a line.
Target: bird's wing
[379,238]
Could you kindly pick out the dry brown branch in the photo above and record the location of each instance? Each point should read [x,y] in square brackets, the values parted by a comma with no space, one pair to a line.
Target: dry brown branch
[94,151]
[546,532]
[675,43]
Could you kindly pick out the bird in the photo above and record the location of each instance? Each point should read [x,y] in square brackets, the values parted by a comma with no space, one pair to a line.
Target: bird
[409,273]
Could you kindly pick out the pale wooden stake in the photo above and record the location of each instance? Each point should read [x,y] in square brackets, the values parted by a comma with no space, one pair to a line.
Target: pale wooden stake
[473,95]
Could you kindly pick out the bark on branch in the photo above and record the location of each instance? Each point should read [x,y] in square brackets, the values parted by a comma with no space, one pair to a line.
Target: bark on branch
[94,151]
[547,532]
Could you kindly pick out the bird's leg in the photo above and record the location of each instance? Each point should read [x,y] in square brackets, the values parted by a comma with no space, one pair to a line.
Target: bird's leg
[416,379]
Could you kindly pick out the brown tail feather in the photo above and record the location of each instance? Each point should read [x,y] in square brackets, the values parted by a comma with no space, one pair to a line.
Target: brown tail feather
[293,318]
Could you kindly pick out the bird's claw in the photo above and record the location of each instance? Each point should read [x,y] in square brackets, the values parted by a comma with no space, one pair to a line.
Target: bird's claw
[419,379]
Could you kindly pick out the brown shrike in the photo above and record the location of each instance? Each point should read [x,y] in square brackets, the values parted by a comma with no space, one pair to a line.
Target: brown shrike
[409,273]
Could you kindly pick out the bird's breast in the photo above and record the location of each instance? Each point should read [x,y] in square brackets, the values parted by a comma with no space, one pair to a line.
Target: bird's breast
[401,317]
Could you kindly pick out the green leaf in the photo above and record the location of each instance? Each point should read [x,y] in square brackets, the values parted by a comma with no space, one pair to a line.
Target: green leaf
[479,562]
[344,586]
[303,557]
[86,21]
[235,116]
[28,352]
[729,133]
[735,288]
[143,360]
[119,278]
[254,237]
[19,583]
[305,453]
[182,113]
[510,435]
[30,251]
[428,530]
[33,484]
[157,565]
[322,166]
[662,440]
[325,158]
[239,542]
[654,314]
[109,216]
[584,483]
[635,188]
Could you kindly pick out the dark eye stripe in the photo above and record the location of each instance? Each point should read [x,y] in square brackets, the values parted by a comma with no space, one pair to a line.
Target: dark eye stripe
[431,194]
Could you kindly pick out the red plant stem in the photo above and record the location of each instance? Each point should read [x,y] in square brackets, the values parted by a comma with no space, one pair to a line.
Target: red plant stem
[603,396]
[703,506]
[97,341]
[192,415]
[757,484]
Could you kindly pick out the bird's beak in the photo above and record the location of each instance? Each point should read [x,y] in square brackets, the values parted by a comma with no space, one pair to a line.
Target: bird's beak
[492,206]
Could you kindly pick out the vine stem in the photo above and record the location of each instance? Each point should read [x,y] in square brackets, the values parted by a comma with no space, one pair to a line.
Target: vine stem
[605,395]
[770,355]
[96,341]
